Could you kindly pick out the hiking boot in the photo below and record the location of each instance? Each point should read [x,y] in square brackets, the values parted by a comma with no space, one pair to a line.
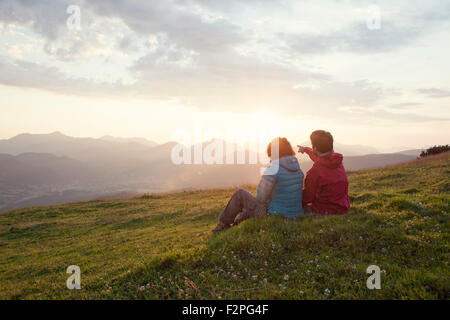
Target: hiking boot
[221,227]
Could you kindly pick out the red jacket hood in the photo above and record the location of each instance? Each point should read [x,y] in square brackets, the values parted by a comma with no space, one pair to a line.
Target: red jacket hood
[331,160]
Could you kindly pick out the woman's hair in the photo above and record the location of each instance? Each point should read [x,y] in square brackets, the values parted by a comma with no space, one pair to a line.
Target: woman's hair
[284,148]
[322,140]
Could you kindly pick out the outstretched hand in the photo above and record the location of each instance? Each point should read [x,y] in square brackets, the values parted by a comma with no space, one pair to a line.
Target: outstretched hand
[301,149]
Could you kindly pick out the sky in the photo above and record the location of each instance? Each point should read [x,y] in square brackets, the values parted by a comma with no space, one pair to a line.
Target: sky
[371,72]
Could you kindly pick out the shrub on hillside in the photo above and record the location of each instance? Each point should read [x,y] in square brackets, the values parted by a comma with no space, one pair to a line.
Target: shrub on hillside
[434,150]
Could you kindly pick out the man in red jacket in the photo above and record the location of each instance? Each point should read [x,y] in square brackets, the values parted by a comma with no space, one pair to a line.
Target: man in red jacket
[326,185]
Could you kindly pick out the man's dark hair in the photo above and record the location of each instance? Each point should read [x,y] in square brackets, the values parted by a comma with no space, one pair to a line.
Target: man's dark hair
[284,148]
[322,140]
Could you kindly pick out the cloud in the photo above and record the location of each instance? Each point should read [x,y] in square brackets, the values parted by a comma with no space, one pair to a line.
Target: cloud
[132,20]
[378,116]
[183,27]
[46,17]
[31,75]
[434,92]
[201,54]
[356,38]
[405,105]
[225,81]
[233,6]
[401,25]
[244,83]
[199,25]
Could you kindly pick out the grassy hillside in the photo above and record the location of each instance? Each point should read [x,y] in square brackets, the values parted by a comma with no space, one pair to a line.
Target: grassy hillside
[161,247]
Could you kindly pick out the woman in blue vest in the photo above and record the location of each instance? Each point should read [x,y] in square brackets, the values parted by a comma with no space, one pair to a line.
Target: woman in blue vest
[279,191]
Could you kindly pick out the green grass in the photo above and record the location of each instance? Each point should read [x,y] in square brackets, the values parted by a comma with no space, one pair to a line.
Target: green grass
[161,247]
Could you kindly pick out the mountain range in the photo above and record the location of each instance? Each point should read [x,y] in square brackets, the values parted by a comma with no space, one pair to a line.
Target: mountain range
[45,169]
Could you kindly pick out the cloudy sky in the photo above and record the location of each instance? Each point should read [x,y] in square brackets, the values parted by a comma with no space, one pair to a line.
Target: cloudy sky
[372,72]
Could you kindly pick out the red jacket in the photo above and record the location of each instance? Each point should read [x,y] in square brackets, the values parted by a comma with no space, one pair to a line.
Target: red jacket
[326,184]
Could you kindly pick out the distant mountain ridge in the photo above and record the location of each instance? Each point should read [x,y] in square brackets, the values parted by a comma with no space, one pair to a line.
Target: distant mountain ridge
[411,152]
[349,150]
[142,141]
[83,149]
